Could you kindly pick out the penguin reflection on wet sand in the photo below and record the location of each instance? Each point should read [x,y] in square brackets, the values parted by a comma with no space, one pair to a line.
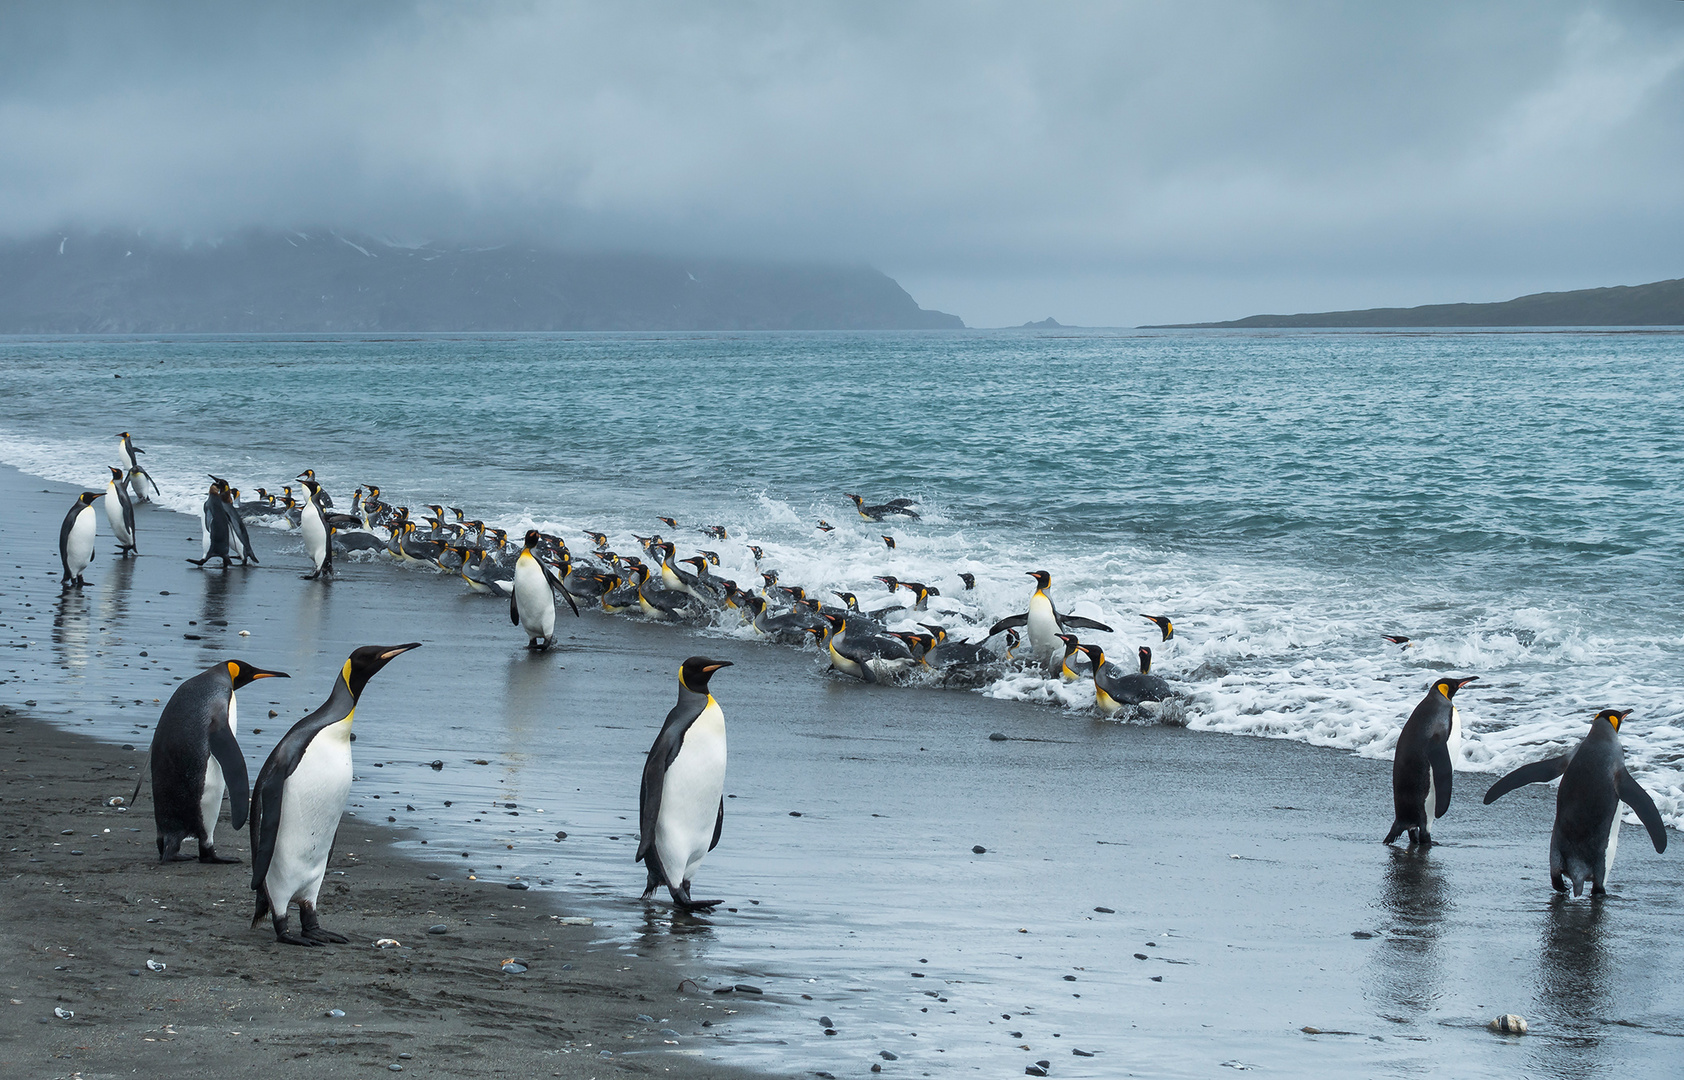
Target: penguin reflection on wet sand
[196,755]
[681,807]
[299,798]
[1421,764]
[1594,782]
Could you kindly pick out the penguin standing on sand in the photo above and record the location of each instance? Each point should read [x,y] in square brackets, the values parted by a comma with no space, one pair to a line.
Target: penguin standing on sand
[1594,782]
[317,533]
[299,798]
[1428,744]
[195,755]
[76,540]
[215,527]
[681,808]
[1044,623]
[238,538]
[119,511]
[532,600]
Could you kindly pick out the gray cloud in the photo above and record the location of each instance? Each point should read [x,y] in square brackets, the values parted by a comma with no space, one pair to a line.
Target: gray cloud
[1100,162]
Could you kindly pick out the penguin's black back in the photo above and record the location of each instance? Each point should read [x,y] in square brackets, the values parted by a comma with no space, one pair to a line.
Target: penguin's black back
[1586,804]
[1425,735]
[181,750]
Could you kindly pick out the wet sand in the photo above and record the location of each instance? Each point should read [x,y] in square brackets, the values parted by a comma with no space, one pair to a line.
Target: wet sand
[1250,898]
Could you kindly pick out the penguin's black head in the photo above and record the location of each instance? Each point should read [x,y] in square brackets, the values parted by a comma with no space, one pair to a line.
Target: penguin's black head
[1145,660]
[87,498]
[856,498]
[1094,653]
[770,577]
[532,537]
[1613,716]
[368,660]
[969,580]
[756,552]
[116,473]
[695,672]
[937,632]
[849,599]
[243,673]
[1042,578]
[1069,640]
[1449,686]
[836,622]
[1164,625]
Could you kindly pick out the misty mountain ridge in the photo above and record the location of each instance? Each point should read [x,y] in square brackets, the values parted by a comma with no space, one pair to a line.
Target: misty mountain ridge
[326,280]
[1659,303]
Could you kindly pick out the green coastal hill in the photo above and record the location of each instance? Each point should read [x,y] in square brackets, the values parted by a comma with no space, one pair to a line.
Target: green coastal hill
[325,280]
[1660,303]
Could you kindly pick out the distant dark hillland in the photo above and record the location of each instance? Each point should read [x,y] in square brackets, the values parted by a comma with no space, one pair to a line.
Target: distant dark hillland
[1658,304]
[263,281]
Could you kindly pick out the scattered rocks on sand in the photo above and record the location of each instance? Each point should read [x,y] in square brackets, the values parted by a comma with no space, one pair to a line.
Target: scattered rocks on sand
[978,849]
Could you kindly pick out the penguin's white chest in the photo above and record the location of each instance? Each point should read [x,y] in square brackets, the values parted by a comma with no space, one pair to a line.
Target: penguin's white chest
[1454,740]
[79,545]
[210,800]
[315,534]
[114,513]
[1043,627]
[533,599]
[690,794]
[312,802]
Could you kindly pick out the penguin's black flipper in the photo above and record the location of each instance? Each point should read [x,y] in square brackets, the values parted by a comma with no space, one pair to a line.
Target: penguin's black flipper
[1076,622]
[514,609]
[719,826]
[1438,755]
[226,750]
[145,771]
[1633,795]
[1539,772]
[265,826]
[1008,623]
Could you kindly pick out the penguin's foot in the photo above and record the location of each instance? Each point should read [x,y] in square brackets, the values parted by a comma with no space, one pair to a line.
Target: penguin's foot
[313,929]
[698,905]
[177,856]
[209,855]
[288,938]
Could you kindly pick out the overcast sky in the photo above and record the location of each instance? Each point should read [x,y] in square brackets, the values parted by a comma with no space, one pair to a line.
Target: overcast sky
[1103,163]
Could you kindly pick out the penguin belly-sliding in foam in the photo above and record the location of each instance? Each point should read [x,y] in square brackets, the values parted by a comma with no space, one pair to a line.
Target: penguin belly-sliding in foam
[1594,782]
[196,755]
[681,807]
[76,540]
[299,798]
[1426,748]
[119,512]
[532,599]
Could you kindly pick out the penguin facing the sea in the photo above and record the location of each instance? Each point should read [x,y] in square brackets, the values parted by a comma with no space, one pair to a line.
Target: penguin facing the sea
[298,800]
[1421,763]
[681,806]
[76,540]
[312,523]
[1594,782]
[196,755]
[119,512]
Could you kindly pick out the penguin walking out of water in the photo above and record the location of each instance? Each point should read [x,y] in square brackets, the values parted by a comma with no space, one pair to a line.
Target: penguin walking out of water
[128,454]
[1594,782]
[119,511]
[196,755]
[532,600]
[76,540]
[1044,624]
[216,528]
[1430,740]
[317,533]
[299,798]
[681,808]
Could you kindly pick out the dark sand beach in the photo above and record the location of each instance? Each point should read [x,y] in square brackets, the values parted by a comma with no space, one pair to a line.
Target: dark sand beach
[1254,921]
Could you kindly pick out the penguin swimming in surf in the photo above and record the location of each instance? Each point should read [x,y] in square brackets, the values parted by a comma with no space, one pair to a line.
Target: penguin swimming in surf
[119,512]
[76,540]
[1044,623]
[900,507]
[532,599]
[1113,691]
[1594,782]
[1165,627]
[196,755]
[299,798]
[1428,744]
[681,806]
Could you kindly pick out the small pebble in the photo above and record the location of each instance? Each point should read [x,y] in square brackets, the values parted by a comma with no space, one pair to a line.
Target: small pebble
[405,1057]
[825,1021]
[645,1018]
[395,1067]
[336,1014]
[521,885]
[875,1067]
[745,988]
[997,736]
[1081,1053]
[273,714]
[245,633]
[1141,956]
[1157,978]
[887,1056]
[513,967]
[795,813]
[1070,978]
[1509,1024]
[136,971]
[1106,910]
[979,850]
[1034,1070]
[1361,935]
[434,877]
[64,1014]
[438,928]
[436,766]
[156,965]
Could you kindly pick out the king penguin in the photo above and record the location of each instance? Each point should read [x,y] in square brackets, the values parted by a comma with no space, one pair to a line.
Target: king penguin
[195,755]
[76,540]
[681,808]
[1428,744]
[128,453]
[299,797]
[313,524]
[1594,782]
[1044,623]
[119,512]
[532,600]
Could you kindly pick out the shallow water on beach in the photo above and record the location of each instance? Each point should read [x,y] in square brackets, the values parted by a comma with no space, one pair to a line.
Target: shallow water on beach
[1510,501]
[1286,499]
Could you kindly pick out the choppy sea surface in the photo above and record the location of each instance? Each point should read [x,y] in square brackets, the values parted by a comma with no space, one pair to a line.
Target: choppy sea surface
[1509,501]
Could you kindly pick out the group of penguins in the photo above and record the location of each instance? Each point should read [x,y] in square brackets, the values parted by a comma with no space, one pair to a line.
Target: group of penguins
[301,791]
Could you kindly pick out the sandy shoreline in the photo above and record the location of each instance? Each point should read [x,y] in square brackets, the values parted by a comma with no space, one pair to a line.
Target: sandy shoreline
[1248,897]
